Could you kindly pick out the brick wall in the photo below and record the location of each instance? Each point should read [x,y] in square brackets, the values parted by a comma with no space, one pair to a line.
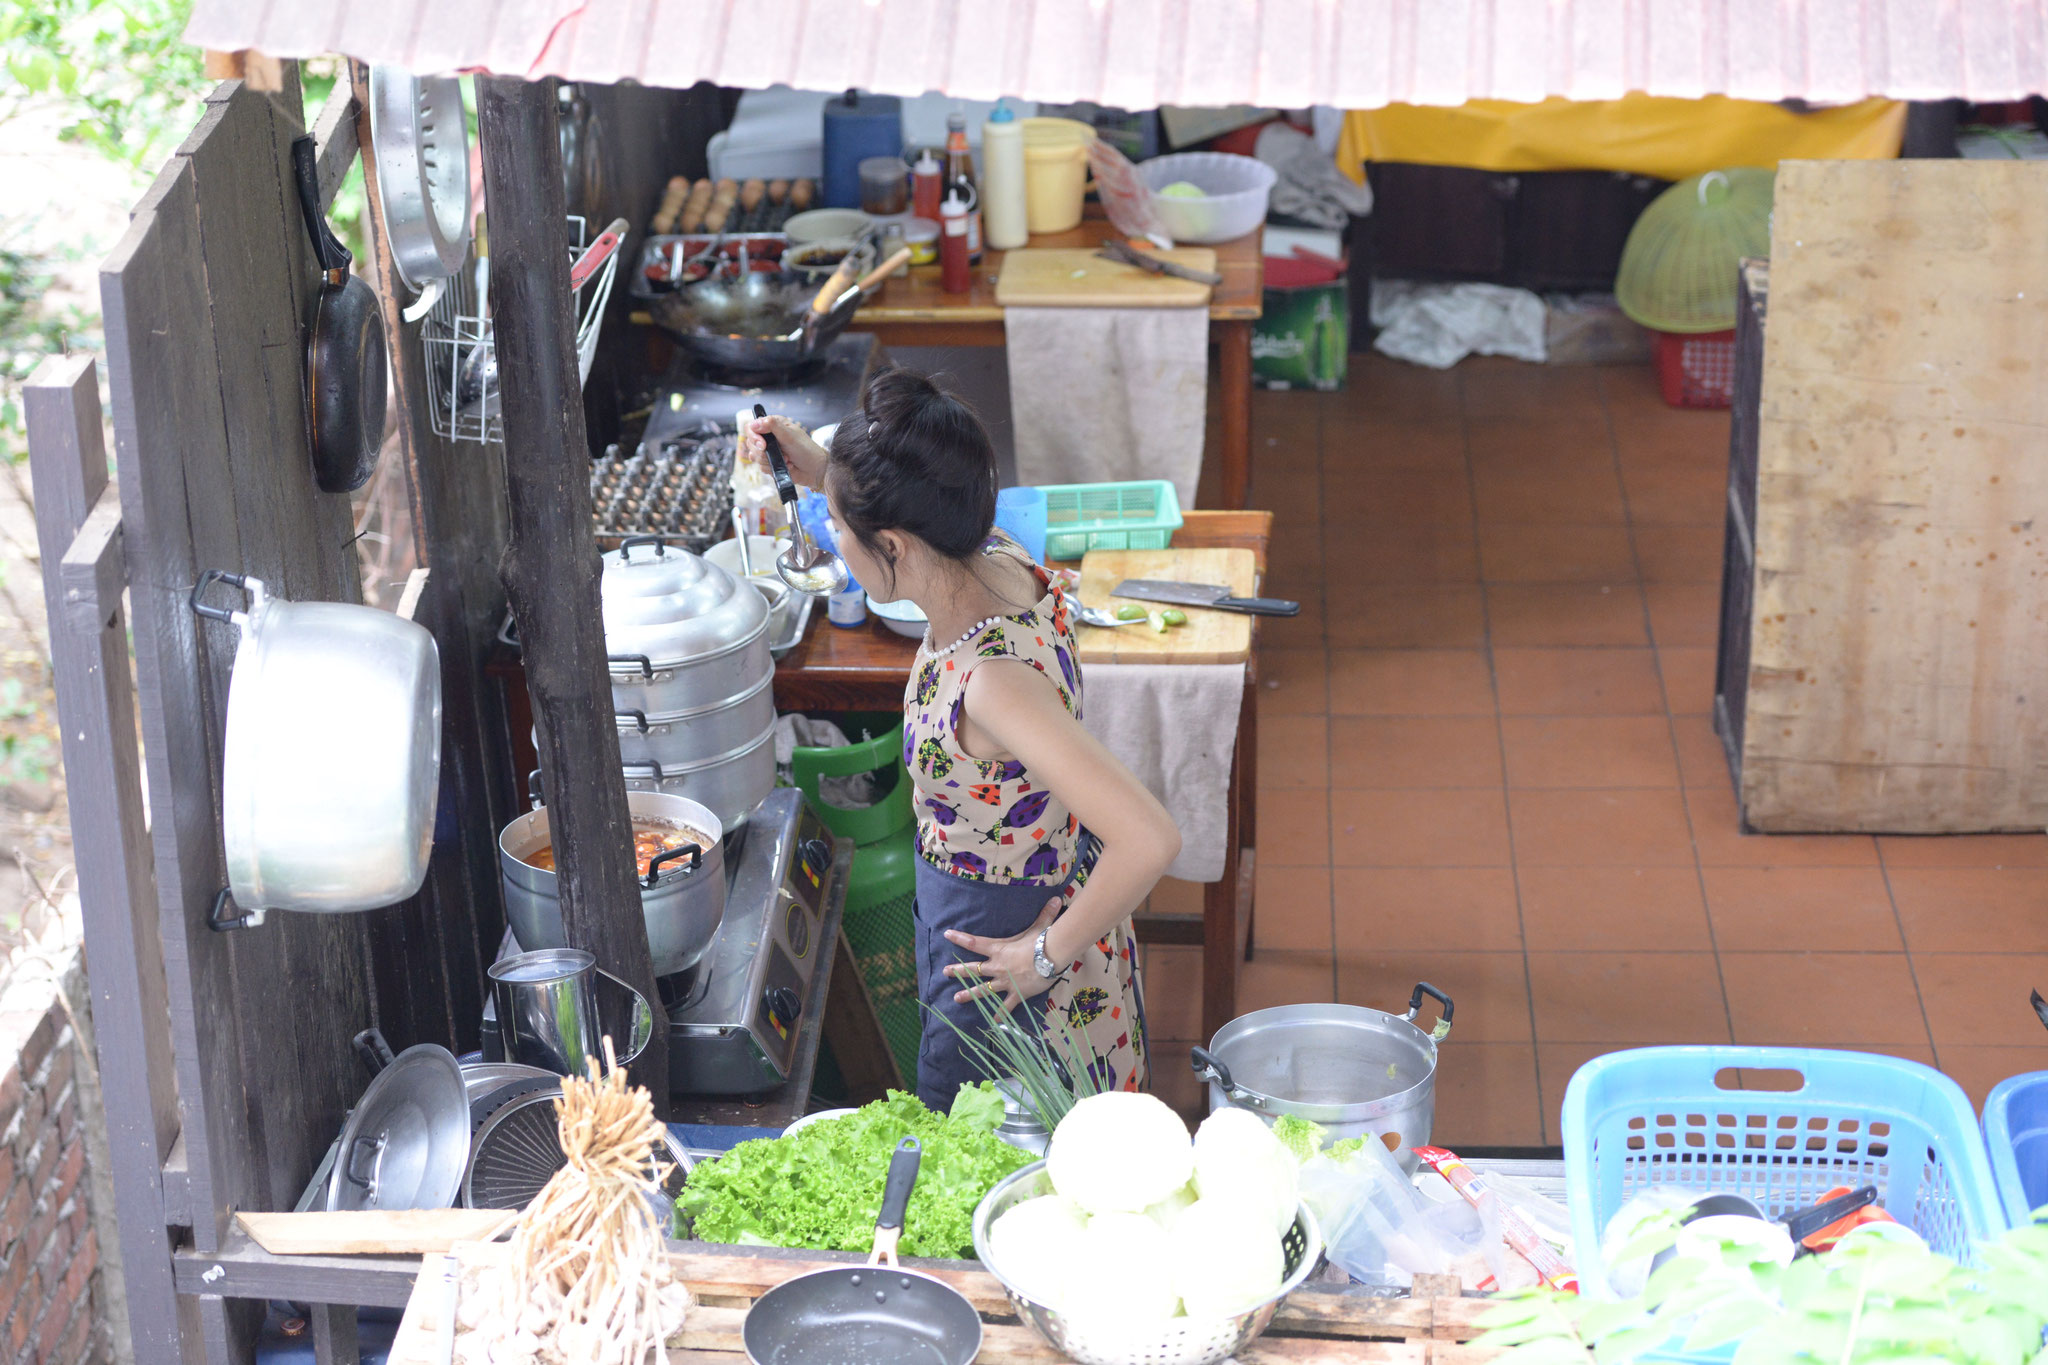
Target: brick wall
[56,1300]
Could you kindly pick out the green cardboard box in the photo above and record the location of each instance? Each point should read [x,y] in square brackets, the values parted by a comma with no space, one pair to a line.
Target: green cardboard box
[1303,338]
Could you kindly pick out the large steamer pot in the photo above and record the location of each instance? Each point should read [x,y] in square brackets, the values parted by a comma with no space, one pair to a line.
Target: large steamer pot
[682,898]
[731,783]
[679,631]
[1358,1072]
[691,677]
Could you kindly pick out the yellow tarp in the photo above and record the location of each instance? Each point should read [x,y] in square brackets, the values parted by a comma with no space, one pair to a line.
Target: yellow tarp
[1641,134]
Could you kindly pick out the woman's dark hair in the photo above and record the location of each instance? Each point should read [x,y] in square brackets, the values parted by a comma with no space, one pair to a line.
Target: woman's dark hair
[914,459]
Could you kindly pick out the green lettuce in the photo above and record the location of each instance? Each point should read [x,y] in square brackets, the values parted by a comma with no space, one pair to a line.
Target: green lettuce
[821,1186]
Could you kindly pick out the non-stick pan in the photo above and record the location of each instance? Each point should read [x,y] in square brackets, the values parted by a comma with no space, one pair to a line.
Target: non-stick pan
[345,375]
[873,1314]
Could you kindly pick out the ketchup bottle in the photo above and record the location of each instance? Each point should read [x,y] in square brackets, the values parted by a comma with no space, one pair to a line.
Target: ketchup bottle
[955,275]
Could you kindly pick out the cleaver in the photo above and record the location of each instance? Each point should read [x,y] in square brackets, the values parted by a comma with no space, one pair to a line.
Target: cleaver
[1211,595]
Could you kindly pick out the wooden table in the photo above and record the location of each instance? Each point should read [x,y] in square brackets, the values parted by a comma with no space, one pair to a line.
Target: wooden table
[864,669]
[915,312]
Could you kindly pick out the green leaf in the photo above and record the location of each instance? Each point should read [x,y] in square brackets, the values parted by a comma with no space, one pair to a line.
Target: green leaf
[1726,1322]
[1604,1319]
[1630,1345]
[1671,1277]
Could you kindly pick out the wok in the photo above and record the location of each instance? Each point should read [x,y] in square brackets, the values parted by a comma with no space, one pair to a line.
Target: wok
[752,324]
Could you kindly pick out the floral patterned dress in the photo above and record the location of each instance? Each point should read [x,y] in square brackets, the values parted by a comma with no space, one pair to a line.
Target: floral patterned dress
[995,846]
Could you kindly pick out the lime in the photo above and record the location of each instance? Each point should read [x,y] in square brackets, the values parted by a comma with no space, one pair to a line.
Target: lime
[1130,611]
[1184,189]
[1174,616]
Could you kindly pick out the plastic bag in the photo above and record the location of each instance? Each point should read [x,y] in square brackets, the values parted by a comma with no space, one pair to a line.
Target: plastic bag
[1379,1229]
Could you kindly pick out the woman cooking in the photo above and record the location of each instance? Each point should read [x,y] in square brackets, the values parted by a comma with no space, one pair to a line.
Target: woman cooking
[1036,844]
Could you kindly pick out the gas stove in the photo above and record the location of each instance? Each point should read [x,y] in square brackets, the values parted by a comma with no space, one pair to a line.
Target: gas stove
[821,390]
[734,1017]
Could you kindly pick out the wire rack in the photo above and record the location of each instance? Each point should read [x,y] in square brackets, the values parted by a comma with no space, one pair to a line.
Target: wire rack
[462,368]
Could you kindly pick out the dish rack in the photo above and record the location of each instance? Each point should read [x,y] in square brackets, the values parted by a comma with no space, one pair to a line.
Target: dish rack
[462,371]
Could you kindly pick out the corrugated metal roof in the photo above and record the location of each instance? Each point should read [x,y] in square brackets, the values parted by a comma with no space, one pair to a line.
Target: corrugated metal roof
[1352,54]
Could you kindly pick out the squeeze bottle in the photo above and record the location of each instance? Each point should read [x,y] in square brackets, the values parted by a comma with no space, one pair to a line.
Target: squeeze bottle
[1002,180]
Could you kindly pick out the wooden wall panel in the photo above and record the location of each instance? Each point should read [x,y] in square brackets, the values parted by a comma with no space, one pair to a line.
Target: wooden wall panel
[1901,623]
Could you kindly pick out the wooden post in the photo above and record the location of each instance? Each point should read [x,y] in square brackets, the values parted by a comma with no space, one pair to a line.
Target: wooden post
[551,561]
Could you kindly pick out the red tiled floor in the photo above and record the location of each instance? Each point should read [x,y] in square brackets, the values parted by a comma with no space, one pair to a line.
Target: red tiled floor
[1487,762]
[1589,751]
[1414,751]
[1542,614]
[1395,908]
[1578,682]
[1410,682]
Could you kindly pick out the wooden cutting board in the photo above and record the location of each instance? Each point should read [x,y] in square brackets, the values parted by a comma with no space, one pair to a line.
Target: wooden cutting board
[1209,637]
[1063,277]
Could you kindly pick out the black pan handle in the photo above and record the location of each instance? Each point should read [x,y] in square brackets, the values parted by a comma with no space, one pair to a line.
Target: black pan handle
[1804,1223]
[1210,1067]
[535,797]
[371,1047]
[639,718]
[1259,606]
[207,580]
[653,771]
[1423,988]
[691,851]
[327,248]
[902,1179]
[785,487]
[660,544]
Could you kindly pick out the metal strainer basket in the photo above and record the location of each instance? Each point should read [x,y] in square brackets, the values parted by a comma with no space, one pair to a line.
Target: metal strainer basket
[1113,1340]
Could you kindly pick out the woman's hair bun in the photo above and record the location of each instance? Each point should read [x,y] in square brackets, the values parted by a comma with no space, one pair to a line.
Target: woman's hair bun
[914,459]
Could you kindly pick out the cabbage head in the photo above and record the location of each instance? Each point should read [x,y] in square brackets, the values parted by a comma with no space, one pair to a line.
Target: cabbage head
[1119,1152]
[1225,1258]
[1237,1159]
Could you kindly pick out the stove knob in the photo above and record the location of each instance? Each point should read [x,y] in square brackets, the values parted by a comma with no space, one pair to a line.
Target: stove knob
[783,1004]
[817,856]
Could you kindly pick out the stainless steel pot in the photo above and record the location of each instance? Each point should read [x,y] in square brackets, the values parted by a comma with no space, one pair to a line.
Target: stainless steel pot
[677,739]
[682,896]
[731,783]
[331,762]
[680,632]
[1356,1071]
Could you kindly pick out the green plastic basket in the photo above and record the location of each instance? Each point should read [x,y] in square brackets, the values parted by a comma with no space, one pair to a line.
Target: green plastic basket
[1079,517]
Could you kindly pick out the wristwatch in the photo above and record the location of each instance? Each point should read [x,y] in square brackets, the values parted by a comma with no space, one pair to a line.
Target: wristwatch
[1047,968]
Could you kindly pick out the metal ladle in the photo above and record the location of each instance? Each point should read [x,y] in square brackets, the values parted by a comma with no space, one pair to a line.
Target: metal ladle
[801,564]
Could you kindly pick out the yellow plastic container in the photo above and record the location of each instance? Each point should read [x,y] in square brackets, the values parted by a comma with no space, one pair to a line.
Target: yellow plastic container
[1055,172]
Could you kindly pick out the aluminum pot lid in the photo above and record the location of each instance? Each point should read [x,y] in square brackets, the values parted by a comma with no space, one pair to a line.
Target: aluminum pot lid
[407,1140]
[671,606]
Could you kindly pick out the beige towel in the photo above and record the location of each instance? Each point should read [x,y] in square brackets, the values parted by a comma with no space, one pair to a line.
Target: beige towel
[1109,394]
[1175,727]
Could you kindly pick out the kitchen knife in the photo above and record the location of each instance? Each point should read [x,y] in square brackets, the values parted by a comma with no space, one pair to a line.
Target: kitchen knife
[1212,595]
[1114,250]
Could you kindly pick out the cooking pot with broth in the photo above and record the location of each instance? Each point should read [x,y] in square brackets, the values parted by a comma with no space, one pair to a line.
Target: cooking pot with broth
[679,859]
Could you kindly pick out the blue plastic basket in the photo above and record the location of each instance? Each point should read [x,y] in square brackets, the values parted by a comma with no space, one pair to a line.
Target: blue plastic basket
[1660,1116]
[2016,1131]
[1139,515]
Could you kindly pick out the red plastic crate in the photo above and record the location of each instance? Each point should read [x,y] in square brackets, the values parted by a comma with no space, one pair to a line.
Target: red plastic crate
[1696,370]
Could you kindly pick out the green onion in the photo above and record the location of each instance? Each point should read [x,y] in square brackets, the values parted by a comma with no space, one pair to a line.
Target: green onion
[1052,1067]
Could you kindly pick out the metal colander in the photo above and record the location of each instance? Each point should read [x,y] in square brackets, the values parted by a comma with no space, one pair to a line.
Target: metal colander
[1114,1341]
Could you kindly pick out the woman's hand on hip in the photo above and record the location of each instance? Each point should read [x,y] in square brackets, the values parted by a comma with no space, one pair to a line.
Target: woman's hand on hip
[1008,965]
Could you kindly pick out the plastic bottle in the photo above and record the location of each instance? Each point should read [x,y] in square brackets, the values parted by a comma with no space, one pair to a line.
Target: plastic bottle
[960,175]
[849,606]
[928,187]
[1002,165]
[956,276]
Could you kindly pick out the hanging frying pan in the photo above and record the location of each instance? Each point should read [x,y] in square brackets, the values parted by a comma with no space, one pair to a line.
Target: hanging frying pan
[345,375]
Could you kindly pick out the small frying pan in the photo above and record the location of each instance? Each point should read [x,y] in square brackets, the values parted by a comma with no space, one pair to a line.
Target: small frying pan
[345,374]
[873,1314]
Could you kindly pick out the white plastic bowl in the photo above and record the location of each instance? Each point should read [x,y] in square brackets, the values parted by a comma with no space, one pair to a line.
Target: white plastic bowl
[1235,203]
[901,616]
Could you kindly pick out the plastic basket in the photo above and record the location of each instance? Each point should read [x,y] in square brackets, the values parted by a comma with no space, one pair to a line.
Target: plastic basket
[1659,1116]
[1079,517]
[1696,370]
[2016,1131]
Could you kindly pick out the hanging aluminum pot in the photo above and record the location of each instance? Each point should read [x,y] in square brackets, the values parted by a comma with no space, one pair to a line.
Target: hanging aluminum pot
[331,761]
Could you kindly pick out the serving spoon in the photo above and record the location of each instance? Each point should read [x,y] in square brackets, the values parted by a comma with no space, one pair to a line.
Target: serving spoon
[801,564]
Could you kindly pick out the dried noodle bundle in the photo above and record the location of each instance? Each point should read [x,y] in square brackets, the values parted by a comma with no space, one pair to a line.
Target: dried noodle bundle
[587,1281]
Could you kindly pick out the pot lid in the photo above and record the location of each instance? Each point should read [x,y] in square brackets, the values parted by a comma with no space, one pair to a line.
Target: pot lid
[407,1140]
[672,606]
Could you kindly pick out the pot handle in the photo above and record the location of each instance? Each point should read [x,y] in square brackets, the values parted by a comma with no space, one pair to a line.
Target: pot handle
[660,544]
[252,586]
[694,852]
[1443,1023]
[1209,1067]
[641,663]
[371,1047]
[534,795]
[639,718]
[652,774]
[221,923]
